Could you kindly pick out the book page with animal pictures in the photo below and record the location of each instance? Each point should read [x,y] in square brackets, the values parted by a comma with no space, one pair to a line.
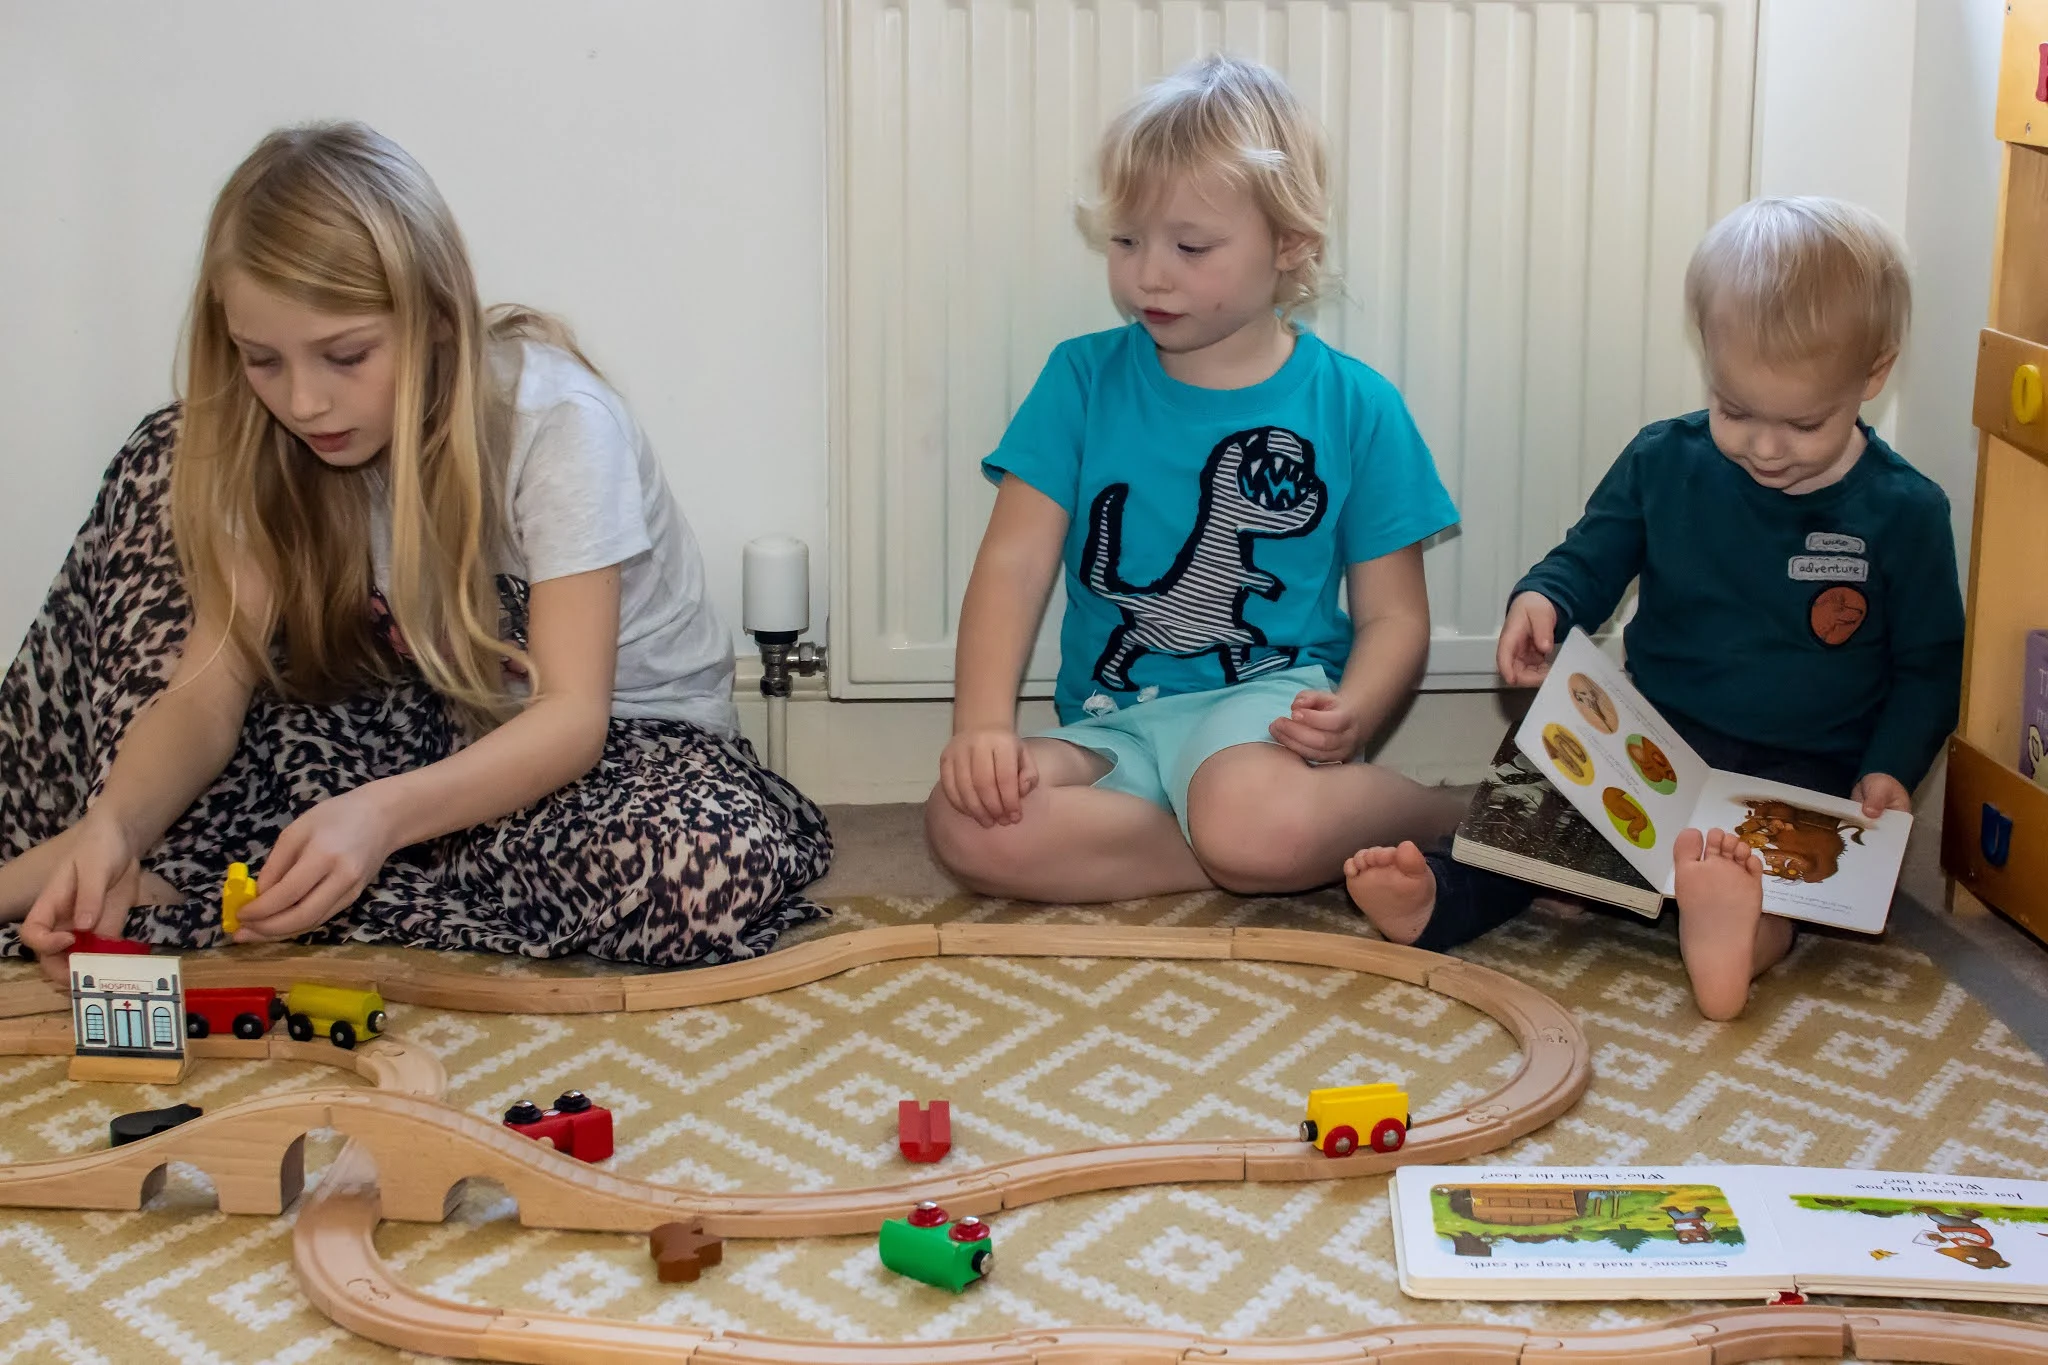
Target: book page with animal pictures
[1613,757]
[1548,1233]
[1881,1232]
[1824,860]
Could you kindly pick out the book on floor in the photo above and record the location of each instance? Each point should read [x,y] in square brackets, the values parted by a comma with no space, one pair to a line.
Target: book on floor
[1715,1232]
[1638,784]
[1520,825]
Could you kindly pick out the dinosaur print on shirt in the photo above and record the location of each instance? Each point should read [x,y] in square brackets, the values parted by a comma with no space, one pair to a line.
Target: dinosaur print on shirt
[1257,484]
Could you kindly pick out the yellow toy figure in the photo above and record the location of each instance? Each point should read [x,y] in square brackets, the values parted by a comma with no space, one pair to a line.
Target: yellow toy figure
[237,891]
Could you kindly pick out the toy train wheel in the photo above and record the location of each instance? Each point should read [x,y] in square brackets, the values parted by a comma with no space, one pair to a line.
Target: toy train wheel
[343,1034]
[1388,1135]
[375,1019]
[276,1008]
[983,1261]
[1342,1141]
[300,1028]
[249,1026]
[1308,1130]
[196,1025]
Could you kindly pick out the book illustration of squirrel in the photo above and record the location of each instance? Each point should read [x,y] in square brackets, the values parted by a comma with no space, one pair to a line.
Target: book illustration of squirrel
[1797,844]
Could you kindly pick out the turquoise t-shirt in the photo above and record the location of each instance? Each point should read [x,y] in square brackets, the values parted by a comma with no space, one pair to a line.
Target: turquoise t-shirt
[1211,528]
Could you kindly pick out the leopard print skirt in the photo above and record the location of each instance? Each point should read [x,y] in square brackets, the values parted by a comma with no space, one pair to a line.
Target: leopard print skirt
[678,848]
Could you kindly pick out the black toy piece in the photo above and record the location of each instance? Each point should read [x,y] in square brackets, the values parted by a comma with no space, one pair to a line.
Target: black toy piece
[149,1122]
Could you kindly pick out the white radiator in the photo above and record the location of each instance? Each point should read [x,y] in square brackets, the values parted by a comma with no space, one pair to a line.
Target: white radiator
[1518,187]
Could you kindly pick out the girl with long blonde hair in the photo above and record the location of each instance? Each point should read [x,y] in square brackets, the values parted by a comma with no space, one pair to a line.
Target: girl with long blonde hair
[395,607]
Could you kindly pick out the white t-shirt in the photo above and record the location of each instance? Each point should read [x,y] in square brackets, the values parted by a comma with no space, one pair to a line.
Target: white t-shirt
[583,491]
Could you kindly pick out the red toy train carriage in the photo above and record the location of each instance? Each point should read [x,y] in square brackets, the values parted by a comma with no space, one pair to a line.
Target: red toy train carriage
[245,1011]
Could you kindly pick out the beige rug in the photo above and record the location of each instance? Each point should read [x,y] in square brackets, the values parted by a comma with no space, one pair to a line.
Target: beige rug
[1856,1054]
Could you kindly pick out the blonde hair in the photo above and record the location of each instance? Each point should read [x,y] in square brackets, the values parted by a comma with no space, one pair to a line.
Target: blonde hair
[339,219]
[1231,118]
[1803,280]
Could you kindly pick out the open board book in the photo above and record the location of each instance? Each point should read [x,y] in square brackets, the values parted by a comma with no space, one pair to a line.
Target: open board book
[1624,769]
[1520,825]
[1716,1232]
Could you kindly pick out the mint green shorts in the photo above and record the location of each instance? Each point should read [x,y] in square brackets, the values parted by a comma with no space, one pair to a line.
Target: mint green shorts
[1154,747]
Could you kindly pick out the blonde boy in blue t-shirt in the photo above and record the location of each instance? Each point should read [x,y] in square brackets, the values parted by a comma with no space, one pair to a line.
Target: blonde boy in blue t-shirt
[1209,476]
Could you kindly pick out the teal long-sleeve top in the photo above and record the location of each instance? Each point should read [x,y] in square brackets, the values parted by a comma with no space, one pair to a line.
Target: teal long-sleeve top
[1828,622]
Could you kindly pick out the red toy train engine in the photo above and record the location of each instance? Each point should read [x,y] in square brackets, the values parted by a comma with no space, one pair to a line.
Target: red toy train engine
[575,1126]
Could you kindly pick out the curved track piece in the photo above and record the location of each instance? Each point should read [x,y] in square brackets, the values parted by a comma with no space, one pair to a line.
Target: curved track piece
[341,1272]
[418,980]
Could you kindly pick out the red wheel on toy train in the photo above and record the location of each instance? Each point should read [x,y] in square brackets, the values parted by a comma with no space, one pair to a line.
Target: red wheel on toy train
[1388,1135]
[249,1026]
[1341,1141]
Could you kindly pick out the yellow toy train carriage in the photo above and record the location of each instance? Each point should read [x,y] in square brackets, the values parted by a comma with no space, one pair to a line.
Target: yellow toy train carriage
[344,1015]
[1341,1116]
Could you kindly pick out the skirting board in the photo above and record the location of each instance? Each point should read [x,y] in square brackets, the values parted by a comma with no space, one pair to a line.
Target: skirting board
[875,752]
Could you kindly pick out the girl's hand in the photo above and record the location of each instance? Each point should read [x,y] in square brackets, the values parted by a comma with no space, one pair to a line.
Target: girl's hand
[1527,640]
[986,774]
[1880,792]
[92,889]
[321,863]
[1322,728]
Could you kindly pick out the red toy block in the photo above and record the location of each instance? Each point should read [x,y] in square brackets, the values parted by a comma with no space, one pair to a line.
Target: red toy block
[924,1134]
[82,942]
[575,1126]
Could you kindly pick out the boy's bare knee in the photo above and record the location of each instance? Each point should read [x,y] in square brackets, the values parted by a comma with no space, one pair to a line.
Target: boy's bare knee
[1253,847]
[984,860]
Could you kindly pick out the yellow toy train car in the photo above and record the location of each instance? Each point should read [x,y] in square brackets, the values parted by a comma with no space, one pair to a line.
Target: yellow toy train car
[345,1016]
[1340,1116]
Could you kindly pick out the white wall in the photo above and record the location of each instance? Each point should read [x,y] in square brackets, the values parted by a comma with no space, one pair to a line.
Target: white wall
[1951,212]
[652,169]
[1893,111]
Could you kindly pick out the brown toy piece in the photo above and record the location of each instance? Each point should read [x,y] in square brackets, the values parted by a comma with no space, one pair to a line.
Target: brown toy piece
[682,1252]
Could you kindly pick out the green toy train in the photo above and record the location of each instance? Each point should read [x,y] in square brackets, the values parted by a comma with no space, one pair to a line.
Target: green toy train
[926,1246]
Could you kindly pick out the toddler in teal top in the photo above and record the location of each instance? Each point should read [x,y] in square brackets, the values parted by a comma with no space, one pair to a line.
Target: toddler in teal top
[1212,484]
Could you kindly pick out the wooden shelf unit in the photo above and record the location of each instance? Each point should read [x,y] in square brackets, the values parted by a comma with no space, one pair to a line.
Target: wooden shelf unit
[1995,822]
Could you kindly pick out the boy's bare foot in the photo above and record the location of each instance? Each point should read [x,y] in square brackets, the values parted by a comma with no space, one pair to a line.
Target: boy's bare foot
[1393,888]
[1720,886]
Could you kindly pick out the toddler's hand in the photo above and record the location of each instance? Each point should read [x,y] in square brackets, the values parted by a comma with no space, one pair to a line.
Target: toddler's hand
[320,864]
[1880,792]
[986,774]
[1527,639]
[1322,727]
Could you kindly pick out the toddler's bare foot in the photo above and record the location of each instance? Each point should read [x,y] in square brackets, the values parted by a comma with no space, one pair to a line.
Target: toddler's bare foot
[1393,888]
[1720,886]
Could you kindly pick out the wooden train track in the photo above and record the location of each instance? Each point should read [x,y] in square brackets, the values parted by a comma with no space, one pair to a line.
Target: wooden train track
[408,1153]
[250,1148]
